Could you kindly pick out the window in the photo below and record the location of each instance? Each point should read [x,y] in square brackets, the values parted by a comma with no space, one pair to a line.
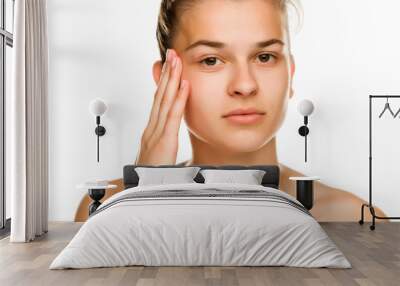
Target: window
[6,44]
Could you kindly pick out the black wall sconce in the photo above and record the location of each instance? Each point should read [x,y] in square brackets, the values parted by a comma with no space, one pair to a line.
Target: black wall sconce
[305,108]
[97,107]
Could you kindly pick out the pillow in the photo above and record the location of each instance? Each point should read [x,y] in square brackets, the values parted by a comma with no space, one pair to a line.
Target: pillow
[249,177]
[161,176]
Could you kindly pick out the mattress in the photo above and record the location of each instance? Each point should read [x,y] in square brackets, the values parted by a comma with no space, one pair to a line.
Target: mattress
[195,224]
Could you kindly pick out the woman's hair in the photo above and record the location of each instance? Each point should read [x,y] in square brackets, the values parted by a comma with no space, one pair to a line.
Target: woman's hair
[170,10]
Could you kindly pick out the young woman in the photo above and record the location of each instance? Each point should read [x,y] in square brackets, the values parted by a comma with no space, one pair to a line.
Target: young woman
[226,68]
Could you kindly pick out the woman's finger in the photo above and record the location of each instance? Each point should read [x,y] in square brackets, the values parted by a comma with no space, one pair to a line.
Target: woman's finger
[169,97]
[162,84]
[175,115]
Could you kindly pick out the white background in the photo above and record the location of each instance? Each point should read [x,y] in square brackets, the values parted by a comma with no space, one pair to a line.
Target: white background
[345,50]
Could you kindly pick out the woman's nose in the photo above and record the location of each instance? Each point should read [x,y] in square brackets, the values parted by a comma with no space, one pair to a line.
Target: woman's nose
[243,82]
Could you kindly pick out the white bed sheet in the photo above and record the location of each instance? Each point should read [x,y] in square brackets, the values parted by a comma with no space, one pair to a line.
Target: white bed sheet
[200,232]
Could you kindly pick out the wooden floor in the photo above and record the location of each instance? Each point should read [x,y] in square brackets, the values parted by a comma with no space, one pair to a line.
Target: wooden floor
[374,255]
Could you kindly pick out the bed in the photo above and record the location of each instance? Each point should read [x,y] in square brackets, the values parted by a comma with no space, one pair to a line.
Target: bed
[201,224]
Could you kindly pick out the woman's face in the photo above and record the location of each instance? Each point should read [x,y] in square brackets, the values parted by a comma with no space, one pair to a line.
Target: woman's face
[238,72]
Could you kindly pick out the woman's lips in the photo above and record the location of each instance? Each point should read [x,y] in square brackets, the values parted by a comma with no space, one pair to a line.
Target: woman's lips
[245,118]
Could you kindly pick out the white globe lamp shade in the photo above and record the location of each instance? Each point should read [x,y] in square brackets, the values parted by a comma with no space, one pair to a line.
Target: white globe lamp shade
[305,107]
[97,107]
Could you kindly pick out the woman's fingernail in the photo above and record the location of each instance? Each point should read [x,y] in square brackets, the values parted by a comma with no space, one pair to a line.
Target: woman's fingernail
[174,60]
[183,84]
[167,55]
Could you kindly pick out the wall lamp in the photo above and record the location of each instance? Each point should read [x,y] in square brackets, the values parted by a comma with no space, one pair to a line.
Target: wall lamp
[305,108]
[97,107]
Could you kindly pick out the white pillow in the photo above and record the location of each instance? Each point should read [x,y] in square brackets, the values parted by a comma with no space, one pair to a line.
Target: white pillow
[169,175]
[249,177]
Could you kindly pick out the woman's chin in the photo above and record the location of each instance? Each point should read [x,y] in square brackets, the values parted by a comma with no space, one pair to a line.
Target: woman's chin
[238,141]
[243,144]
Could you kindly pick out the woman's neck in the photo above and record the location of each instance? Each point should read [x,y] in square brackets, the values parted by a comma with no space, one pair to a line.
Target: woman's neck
[204,154]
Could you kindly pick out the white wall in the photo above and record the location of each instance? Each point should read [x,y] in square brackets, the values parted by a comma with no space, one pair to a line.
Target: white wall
[345,51]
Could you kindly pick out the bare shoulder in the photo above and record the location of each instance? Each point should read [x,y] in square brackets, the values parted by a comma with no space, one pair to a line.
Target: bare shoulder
[323,191]
[330,204]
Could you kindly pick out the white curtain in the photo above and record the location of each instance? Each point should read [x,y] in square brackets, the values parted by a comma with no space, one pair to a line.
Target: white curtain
[28,121]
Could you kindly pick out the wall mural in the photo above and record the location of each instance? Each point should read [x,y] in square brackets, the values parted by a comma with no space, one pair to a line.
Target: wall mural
[226,68]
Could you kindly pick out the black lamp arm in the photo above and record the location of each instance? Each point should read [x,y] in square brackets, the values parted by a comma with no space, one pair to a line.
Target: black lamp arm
[100,131]
[306,120]
[304,131]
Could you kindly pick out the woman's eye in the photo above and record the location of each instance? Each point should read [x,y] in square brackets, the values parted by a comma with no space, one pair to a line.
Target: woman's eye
[265,58]
[210,61]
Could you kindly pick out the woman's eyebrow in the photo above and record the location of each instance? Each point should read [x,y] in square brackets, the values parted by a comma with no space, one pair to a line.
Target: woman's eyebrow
[220,45]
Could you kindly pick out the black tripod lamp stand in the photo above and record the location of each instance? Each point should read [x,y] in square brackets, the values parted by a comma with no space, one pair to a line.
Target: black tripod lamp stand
[97,107]
[305,108]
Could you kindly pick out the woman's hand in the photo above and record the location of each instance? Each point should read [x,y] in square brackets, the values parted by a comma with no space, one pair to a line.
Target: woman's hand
[159,142]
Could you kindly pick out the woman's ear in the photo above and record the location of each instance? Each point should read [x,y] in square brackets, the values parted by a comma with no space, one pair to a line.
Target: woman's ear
[157,67]
[292,71]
